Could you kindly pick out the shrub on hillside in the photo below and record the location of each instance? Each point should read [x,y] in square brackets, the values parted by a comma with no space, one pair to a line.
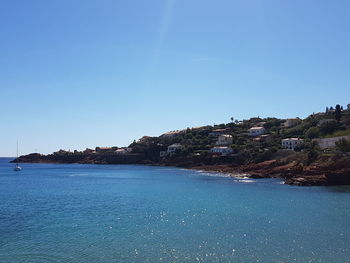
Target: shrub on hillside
[328,127]
[313,151]
[273,122]
[242,157]
[264,156]
[312,133]
[343,145]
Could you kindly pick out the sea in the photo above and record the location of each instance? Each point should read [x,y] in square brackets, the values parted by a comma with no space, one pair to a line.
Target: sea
[132,213]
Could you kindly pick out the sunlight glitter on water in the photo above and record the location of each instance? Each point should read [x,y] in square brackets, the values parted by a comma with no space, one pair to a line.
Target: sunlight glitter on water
[105,214]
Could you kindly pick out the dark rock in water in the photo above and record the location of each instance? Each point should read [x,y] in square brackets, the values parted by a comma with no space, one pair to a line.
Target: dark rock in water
[307,180]
[338,178]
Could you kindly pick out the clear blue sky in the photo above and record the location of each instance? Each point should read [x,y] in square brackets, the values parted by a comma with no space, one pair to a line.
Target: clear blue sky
[83,73]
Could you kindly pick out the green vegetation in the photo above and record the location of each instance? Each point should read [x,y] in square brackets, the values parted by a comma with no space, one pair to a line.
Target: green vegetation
[197,142]
[343,145]
[313,132]
[338,133]
[329,127]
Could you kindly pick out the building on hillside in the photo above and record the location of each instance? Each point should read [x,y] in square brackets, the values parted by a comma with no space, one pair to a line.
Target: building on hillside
[199,128]
[349,107]
[224,139]
[174,148]
[221,150]
[330,142]
[256,131]
[103,149]
[172,133]
[291,122]
[263,138]
[88,151]
[218,132]
[144,139]
[291,143]
[123,151]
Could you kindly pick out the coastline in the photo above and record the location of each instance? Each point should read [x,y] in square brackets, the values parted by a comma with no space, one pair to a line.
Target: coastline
[291,173]
[289,152]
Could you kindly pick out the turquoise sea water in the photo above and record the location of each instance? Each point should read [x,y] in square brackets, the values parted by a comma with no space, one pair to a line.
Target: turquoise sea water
[99,213]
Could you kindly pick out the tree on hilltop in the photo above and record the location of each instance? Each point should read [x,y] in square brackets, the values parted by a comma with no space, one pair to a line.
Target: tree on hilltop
[337,112]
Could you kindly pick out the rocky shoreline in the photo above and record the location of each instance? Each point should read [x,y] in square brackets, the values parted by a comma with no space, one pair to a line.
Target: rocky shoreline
[325,171]
[293,173]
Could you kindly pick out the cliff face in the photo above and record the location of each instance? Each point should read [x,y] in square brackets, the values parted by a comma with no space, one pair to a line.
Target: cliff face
[326,170]
[293,173]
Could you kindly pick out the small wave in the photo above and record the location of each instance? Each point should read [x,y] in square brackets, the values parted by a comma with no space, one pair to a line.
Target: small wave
[72,175]
[240,176]
[245,181]
[208,173]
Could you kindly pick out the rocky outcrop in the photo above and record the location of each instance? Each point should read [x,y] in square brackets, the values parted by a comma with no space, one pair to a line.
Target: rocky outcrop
[307,180]
[319,173]
[293,173]
[82,158]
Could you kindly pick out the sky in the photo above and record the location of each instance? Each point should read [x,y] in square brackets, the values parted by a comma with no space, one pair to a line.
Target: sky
[86,73]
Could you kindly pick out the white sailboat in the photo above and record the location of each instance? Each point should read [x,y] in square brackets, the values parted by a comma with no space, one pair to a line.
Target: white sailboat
[17,167]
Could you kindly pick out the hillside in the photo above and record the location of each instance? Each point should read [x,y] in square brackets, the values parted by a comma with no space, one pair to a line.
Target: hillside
[251,146]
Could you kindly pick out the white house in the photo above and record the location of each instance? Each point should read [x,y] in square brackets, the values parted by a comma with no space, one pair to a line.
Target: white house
[224,139]
[330,142]
[291,122]
[263,138]
[122,151]
[221,150]
[291,143]
[218,132]
[256,131]
[174,147]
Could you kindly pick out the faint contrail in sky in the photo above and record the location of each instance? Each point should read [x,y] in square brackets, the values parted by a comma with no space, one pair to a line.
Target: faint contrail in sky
[159,40]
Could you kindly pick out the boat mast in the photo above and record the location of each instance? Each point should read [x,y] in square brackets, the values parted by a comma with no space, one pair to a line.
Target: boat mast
[17,168]
[17,154]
